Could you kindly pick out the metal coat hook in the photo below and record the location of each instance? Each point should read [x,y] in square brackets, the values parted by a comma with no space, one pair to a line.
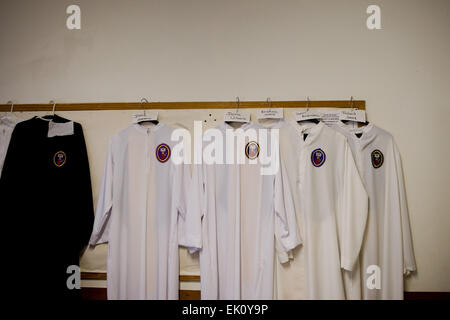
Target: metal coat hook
[237,104]
[307,104]
[269,101]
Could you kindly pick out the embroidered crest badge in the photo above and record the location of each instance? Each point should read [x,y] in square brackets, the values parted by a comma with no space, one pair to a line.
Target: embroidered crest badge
[318,157]
[252,150]
[377,158]
[59,159]
[162,152]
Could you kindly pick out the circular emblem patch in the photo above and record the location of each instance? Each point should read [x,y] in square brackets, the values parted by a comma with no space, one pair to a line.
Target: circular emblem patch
[377,158]
[59,159]
[252,150]
[318,157]
[162,152]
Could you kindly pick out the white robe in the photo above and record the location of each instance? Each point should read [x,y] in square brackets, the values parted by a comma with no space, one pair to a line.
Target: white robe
[387,241]
[241,212]
[7,125]
[140,206]
[331,207]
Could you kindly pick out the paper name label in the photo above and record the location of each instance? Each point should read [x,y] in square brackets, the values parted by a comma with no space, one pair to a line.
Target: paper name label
[270,113]
[60,129]
[232,116]
[307,115]
[149,116]
[330,118]
[353,115]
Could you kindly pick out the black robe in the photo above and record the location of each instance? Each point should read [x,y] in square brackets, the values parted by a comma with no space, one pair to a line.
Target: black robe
[47,209]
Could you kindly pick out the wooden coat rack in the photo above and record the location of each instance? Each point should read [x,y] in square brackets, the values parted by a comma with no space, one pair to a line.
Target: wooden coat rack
[360,104]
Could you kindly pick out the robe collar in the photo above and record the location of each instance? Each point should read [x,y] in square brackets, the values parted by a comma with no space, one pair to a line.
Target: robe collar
[244,126]
[312,131]
[275,124]
[147,130]
[368,134]
[55,118]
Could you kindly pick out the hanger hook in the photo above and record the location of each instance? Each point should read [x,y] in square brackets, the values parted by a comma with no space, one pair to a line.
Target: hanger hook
[54,106]
[307,103]
[144,100]
[237,103]
[351,101]
[269,101]
[12,105]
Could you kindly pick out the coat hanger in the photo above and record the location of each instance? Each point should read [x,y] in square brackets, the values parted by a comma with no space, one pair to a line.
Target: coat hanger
[353,108]
[144,117]
[314,120]
[144,100]
[10,114]
[270,116]
[50,117]
[237,109]
[234,118]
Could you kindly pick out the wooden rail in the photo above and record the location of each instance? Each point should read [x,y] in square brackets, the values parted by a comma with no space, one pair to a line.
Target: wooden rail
[360,104]
[103,276]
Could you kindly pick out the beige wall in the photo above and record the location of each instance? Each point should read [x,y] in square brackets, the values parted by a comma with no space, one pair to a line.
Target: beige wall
[216,50]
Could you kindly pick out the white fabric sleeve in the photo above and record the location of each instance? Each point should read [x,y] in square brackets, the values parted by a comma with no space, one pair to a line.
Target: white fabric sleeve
[353,212]
[409,261]
[287,236]
[100,232]
[181,188]
[283,256]
[191,224]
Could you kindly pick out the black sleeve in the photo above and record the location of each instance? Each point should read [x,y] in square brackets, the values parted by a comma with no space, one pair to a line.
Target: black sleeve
[12,174]
[84,204]
[12,206]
